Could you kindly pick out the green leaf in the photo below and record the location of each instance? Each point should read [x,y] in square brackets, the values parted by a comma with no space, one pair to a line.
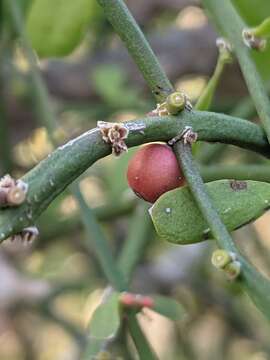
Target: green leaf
[168,307]
[103,326]
[56,27]
[177,218]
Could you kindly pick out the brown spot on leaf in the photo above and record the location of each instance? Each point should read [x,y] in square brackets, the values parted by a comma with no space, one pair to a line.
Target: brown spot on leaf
[238,185]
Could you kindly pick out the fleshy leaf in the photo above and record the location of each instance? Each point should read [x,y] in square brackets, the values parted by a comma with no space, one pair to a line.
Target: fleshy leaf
[168,307]
[103,326]
[177,218]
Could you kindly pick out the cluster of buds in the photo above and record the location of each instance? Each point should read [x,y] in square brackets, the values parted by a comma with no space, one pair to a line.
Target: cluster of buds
[135,301]
[26,235]
[174,104]
[227,261]
[115,135]
[12,192]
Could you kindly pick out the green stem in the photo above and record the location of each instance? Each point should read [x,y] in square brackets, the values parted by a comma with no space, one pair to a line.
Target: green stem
[69,224]
[49,121]
[51,176]
[256,285]
[47,116]
[140,232]
[144,351]
[238,172]
[263,29]
[98,241]
[205,100]
[232,26]
[126,27]
[5,143]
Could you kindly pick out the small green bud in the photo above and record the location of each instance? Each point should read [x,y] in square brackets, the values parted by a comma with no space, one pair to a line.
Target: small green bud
[175,102]
[221,258]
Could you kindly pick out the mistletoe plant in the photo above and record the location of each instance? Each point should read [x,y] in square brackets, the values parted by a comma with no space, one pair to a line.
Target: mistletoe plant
[184,210]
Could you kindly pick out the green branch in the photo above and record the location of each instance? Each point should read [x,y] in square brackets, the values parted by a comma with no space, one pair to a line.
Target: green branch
[97,240]
[256,285]
[126,27]
[52,175]
[237,172]
[232,26]
[140,231]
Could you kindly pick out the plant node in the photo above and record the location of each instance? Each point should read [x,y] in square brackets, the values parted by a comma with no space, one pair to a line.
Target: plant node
[27,235]
[252,41]
[12,192]
[115,135]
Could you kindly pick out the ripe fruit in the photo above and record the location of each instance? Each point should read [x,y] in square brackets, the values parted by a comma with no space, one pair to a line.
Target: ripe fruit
[153,171]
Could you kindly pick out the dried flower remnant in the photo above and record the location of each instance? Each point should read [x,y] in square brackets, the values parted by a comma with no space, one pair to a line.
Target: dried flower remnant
[187,135]
[27,235]
[12,192]
[225,50]
[252,41]
[115,135]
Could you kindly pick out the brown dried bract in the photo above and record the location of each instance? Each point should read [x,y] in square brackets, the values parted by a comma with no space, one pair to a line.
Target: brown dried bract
[12,192]
[115,135]
[252,41]
[187,135]
[27,235]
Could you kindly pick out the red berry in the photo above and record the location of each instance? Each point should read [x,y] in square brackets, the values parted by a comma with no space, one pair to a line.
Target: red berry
[153,171]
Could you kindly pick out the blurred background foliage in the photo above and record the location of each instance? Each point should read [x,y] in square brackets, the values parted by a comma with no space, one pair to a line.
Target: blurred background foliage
[99,81]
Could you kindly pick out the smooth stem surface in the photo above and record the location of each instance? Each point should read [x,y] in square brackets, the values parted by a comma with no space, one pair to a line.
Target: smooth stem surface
[144,351]
[256,285]
[126,27]
[205,100]
[140,231]
[97,240]
[47,116]
[232,25]
[237,172]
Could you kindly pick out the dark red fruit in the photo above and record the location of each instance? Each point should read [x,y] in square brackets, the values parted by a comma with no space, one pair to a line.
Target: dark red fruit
[153,171]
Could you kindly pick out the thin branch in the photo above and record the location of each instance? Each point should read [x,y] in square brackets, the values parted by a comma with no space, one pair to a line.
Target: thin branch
[232,26]
[256,285]
[140,231]
[130,33]
[96,239]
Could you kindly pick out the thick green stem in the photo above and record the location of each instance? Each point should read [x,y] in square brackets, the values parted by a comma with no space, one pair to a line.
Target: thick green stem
[238,172]
[232,26]
[256,285]
[52,175]
[130,33]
